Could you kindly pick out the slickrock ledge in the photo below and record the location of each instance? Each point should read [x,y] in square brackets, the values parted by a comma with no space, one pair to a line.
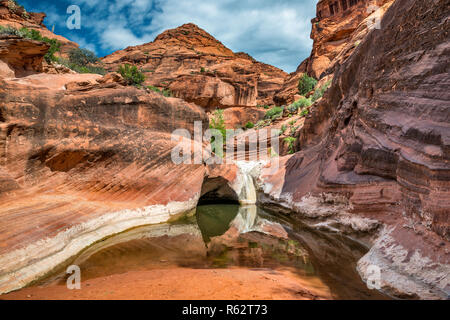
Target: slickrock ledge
[23,266]
[83,157]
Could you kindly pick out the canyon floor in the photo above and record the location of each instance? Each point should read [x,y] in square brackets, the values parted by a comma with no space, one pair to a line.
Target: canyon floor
[184,284]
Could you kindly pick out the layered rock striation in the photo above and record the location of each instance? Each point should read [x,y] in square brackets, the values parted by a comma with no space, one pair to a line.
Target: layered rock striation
[196,67]
[16,16]
[377,147]
[338,28]
[83,157]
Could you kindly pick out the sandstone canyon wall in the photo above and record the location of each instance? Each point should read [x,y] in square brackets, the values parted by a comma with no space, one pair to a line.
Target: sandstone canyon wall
[83,157]
[377,147]
[338,28]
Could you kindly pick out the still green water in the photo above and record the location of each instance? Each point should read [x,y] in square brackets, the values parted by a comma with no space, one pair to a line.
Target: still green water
[226,236]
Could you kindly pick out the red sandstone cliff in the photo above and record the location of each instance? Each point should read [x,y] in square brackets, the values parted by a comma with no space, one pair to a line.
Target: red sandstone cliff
[16,16]
[339,27]
[198,68]
[81,156]
[377,146]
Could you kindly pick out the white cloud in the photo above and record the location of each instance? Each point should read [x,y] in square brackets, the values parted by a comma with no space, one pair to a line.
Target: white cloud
[273,31]
[117,37]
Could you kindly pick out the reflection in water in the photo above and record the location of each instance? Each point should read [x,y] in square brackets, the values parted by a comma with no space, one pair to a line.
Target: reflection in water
[246,219]
[215,220]
[226,236]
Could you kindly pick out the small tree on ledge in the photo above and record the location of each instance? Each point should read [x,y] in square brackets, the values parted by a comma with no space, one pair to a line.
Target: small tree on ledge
[131,74]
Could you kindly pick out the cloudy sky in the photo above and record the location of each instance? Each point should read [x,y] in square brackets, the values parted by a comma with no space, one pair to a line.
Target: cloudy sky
[272,31]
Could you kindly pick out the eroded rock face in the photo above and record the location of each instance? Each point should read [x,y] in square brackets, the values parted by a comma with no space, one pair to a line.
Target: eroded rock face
[338,32]
[379,144]
[83,157]
[198,68]
[20,57]
[16,17]
[339,27]
[236,118]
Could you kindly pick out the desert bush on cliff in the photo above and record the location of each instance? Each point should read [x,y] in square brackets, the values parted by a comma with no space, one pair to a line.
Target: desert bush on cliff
[14,6]
[9,31]
[320,92]
[290,142]
[249,125]
[217,122]
[82,61]
[306,84]
[299,104]
[55,45]
[83,57]
[131,74]
[274,113]
[166,92]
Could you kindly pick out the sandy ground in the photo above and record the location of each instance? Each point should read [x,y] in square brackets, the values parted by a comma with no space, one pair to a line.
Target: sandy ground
[185,283]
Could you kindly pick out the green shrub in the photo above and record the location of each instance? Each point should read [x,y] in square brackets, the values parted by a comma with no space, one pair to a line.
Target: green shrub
[283,129]
[304,113]
[299,104]
[306,84]
[274,113]
[131,74]
[83,57]
[9,31]
[249,125]
[13,5]
[218,123]
[202,69]
[290,141]
[153,88]
[320,92]
[165,92]
[55,46]
[32,34]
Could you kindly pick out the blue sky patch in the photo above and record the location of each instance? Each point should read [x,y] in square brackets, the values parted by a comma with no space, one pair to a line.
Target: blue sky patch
[274,32]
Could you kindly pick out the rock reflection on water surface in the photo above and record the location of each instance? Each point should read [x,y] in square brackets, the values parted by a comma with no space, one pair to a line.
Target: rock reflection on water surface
[225,236]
